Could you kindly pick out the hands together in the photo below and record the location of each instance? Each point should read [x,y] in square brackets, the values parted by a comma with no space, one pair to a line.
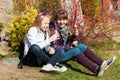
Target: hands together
[55,36]
[51,51]
[74,44]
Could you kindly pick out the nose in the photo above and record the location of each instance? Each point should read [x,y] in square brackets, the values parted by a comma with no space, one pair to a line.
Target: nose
[46,25]
[62,21]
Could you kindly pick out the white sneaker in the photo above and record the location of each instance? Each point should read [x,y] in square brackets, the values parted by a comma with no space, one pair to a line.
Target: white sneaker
[102,68]
[110,61]
[49,67]
[60,67]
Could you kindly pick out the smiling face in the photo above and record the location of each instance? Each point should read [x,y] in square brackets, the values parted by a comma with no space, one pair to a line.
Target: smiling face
[62,22]
[62,18]
[44,25]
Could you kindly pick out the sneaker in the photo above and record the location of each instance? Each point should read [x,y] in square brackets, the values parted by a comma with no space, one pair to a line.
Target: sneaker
[102,68]
[60,67]
[110,61]
[49,68]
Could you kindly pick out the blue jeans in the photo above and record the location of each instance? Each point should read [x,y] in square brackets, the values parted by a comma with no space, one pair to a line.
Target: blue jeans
[73,52]
[36,52]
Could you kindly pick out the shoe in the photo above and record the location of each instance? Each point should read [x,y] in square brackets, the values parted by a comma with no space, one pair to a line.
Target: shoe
[20,65]
[60,67]
[110,61]
[102,68]
[49,68]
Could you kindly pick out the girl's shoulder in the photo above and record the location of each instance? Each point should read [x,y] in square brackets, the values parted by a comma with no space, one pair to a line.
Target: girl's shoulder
[33,29]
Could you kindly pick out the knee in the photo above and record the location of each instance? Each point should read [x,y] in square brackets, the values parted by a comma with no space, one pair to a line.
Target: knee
[34,47]
[82,47]
[76,50]
[60,50]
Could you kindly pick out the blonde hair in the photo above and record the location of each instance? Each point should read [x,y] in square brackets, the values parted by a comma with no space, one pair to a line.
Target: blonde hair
[38,21]
[39,18]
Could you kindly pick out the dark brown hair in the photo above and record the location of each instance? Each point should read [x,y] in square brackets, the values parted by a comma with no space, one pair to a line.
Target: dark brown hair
[61,14]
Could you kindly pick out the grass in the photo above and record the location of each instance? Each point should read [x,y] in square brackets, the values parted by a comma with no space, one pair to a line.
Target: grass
[78,72]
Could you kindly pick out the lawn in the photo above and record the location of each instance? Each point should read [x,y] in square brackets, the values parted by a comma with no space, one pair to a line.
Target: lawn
[75,71]
[78,72]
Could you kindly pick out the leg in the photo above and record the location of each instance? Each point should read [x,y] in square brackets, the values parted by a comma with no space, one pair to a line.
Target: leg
[39,53]
[69,54]
[98,70]
[86,63]
[90,55]
[54,60]
[56,57]
[30,60]
[80,57]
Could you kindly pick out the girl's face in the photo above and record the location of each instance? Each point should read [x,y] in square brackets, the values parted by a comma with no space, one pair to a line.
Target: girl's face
[45,23]
[62,22]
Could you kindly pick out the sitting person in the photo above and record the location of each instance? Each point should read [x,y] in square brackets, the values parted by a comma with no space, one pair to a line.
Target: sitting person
[72,48]
[37,46]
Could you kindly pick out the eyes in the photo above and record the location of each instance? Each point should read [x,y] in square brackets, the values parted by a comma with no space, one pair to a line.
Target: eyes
[62,20]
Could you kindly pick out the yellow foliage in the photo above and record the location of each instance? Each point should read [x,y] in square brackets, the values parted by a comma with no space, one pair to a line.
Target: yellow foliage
[19,25]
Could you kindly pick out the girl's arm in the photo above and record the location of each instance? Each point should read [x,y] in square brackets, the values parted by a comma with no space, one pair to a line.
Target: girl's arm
[35,38]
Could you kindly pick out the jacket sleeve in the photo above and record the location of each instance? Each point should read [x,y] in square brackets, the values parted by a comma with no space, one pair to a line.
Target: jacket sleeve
[33,38]
[58,43]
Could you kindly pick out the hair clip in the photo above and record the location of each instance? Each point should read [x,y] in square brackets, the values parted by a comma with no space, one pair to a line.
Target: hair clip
[41,14]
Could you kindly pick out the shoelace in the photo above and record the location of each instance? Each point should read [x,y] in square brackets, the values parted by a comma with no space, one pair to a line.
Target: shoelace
[109,61]
[58,65]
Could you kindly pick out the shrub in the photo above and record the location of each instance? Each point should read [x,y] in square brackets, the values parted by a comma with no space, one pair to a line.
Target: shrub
[50,6]
[90,7]
[19,25]
[97,25]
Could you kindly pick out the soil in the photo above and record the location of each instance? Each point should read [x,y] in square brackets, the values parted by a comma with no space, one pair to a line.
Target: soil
[9,71]
[8,66]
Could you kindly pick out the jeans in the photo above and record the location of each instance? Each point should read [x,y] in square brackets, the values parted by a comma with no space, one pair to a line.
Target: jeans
[41,55]
[80,48]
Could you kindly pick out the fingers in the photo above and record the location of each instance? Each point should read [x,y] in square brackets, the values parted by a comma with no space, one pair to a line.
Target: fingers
[57,35]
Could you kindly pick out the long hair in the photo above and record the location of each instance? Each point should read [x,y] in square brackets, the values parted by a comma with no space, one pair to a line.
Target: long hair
[38,21]
[62,14]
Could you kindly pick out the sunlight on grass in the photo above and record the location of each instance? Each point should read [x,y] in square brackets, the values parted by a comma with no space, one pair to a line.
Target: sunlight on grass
[78,72]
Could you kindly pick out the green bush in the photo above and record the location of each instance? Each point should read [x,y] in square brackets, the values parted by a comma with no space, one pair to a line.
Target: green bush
[19,25]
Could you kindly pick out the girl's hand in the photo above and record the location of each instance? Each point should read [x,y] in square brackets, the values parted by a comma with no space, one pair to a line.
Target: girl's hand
[55,36]
[76,30]
[74,43]
[51,51]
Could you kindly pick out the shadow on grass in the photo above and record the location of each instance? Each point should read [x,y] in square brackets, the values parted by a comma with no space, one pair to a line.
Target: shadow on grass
[78,70]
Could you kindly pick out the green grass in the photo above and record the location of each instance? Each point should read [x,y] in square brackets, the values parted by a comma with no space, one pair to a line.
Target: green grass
[78,72]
